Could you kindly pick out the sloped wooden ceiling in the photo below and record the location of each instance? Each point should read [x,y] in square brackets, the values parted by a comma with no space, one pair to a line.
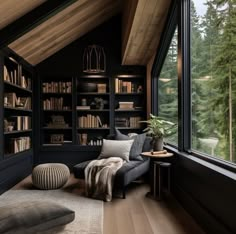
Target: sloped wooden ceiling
[63,28]
[11,10]
[143,22]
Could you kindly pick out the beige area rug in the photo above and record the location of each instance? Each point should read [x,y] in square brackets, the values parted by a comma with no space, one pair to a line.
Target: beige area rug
[88,212]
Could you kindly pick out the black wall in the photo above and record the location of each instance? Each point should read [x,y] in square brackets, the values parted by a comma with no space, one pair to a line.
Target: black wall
[68,62]
[207,192]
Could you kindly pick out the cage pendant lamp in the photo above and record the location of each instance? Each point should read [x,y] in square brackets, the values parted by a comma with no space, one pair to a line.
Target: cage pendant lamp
[94,59]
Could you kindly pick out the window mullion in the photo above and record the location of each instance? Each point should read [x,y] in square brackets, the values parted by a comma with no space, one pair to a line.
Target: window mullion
[184,77]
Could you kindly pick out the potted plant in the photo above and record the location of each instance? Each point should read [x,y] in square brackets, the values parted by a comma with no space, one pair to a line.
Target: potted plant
[158,128]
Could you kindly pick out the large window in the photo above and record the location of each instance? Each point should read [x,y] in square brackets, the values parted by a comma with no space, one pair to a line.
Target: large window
[213,76]
[168,89]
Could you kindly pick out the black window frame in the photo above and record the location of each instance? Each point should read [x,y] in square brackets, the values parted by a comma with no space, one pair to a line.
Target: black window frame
[162,50]
[179,16]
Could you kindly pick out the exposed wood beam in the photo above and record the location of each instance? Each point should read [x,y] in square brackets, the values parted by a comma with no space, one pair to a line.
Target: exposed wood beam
[143,22]
[32,19]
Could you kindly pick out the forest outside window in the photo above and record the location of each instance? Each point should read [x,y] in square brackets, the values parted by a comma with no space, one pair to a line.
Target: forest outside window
[213,77]
[168,89]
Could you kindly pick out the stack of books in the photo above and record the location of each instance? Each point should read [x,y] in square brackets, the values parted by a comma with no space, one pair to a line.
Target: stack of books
[83,108]
[126,105]
[57,122]
[121,122]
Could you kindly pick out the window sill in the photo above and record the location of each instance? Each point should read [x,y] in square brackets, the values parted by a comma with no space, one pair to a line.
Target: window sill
[226,169]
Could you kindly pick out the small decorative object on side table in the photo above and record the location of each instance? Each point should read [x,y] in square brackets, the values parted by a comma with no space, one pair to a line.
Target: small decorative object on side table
[155,157]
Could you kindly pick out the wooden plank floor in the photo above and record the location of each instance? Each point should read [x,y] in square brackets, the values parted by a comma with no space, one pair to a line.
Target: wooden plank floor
[137,214]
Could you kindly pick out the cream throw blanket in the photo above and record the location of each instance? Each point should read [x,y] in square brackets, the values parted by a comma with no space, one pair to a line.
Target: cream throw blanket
[99,177]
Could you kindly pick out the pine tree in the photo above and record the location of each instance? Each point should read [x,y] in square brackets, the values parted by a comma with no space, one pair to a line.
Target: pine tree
[197,71]
[224,76]
[205,117]
[168,87]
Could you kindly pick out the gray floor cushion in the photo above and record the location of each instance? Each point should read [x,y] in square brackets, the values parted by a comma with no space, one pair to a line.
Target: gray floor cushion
[33,217]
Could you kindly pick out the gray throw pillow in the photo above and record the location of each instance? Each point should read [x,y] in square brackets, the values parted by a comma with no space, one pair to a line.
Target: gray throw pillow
[137,146]
[33,217]
[113,148]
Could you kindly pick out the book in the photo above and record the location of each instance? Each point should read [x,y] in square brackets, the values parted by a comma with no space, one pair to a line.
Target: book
[83,108]
[10,100]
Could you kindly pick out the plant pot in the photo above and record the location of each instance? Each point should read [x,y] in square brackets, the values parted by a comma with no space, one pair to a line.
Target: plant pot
[158,144]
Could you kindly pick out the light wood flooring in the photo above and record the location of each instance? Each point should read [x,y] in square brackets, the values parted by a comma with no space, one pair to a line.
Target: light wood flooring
[137,214]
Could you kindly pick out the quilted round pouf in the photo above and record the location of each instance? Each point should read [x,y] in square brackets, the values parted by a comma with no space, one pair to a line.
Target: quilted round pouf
[50,175]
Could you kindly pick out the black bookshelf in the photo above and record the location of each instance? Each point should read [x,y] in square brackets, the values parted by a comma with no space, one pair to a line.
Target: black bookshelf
[56,108]
[17,98]
[129,102]
[88,120]
[94,92]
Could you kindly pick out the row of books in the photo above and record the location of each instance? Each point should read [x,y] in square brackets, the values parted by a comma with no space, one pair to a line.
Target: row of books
[13,77]
[55,104]
[11,100]
[132,122]
[19,144]
[125,86]
[57,87]
[83,140]
[21,122]
[90,121]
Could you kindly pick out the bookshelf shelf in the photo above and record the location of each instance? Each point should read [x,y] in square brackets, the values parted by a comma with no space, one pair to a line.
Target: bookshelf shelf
[93,128]
[57,111]
[128,94]
[94,77]
[127,110]
[17,109]
[130,76]
[61,128]
[128,128]
[56,94]
[18,132]
[14,86]
[94,110]
[93,93]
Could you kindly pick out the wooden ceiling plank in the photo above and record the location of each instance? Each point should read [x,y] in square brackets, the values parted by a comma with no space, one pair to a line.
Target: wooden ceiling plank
[129,10]
[79,31]
[73,24]
[148,29]
[96,19]
[51,23]
[152,39]
[11,10]
[148,21]
[85,30]
[143,26]
[30,20]
[61,28]
[135,25]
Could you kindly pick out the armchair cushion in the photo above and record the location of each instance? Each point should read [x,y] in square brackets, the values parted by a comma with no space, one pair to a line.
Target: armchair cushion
[114,148]
[137,146]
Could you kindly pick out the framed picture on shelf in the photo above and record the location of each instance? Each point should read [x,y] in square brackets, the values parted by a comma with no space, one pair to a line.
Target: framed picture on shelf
[56,138]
